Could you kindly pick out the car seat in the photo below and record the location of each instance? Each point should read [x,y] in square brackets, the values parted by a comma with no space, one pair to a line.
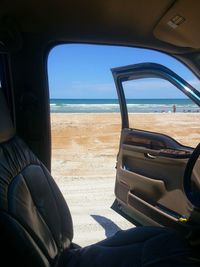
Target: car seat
[36,227]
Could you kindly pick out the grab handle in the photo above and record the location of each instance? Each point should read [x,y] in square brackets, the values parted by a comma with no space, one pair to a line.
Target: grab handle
[150,156]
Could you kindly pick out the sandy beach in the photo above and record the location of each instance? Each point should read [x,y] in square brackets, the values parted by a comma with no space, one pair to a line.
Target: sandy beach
[84,149]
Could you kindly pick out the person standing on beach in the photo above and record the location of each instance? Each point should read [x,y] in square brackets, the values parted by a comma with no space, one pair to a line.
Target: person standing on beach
[174,108]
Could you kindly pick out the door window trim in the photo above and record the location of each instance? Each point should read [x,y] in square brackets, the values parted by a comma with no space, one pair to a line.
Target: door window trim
[149,70]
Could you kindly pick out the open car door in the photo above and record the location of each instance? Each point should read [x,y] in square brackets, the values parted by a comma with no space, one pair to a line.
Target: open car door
[151,165]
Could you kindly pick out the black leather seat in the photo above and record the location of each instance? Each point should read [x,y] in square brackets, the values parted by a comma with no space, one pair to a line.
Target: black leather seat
[36,226]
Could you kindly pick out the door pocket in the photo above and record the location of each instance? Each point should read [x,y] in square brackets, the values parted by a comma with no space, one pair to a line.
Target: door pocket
[160,213]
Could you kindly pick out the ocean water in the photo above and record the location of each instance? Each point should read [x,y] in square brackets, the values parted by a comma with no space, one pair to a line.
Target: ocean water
[112,105]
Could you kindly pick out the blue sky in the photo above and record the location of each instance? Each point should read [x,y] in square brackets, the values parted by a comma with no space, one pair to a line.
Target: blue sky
[83,71]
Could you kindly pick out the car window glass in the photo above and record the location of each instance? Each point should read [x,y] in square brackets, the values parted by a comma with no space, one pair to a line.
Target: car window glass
[156,105]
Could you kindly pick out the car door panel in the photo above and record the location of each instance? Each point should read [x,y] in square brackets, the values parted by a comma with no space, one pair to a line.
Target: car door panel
[153,182]
[150,166]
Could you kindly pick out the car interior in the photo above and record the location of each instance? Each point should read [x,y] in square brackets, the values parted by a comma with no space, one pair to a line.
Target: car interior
[36,227]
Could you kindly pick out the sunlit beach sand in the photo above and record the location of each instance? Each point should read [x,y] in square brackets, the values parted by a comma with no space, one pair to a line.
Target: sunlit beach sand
[84,149]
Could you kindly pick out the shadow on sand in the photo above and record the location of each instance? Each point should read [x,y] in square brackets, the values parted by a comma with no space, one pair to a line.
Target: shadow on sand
[110,227]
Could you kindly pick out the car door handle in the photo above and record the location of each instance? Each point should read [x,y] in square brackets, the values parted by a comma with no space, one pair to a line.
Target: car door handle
[150,156]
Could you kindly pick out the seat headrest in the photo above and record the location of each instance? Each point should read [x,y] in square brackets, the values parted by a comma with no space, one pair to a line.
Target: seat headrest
[7,130]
